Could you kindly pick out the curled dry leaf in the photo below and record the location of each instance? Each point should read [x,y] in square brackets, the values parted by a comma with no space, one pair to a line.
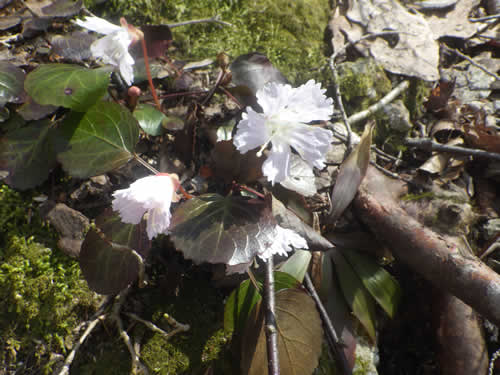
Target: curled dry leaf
[351,173]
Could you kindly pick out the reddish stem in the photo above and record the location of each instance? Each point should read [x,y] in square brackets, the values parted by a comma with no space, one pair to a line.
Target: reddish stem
[148,72]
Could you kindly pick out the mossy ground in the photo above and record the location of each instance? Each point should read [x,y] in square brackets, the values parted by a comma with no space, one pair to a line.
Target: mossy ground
[42,293]
[289,33]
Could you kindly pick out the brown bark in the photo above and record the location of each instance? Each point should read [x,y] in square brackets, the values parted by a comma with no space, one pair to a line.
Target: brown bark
[461,346]
[443,260]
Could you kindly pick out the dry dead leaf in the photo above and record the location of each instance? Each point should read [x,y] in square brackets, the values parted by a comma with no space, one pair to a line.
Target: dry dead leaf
[454,22]
[416,52]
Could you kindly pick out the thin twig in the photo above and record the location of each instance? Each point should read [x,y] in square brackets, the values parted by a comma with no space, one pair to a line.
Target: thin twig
[331,335]
[179,327]
[479,66]
[487,18]
[364,37]
[69,359]
[271,328]
[340,104]
[120,300]
[360,116]
[429,145]
[495,246]
[96,318]
[215,19]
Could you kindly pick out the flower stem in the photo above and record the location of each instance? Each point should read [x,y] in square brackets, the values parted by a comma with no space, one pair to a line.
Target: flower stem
[148,72]
[271,328]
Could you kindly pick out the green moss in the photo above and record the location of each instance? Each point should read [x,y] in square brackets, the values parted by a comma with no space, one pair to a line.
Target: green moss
[199,305]
[415,96]
[362,83]
[290,33]
[416,197]
[41,290]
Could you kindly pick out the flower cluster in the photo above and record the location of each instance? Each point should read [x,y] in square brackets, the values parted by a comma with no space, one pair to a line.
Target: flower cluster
[283,124]
[112,49]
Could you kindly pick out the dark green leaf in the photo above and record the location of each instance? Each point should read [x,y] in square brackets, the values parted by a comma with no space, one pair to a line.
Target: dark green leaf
[150,119]
[239,305]
[300,336]
[379,283]
[31,110]
[242,300]
[69,86]
[100,141]
[214,229]
[337,308]
[107,266]
[361,302]
[128,235]
[11,83]
[28,154]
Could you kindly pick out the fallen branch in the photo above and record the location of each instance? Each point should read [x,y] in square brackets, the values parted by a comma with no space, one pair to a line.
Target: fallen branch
[429,145]
[363,115]
[442,260]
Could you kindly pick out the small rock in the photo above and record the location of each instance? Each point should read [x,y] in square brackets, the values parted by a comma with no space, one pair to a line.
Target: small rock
[69,223]
[398,116]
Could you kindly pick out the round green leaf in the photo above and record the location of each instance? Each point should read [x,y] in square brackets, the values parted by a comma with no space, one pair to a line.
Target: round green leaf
[150,119]
[11,83]
[99,141]
[65,85]
[28,154]
[107,266]
[300,336]
[215,229]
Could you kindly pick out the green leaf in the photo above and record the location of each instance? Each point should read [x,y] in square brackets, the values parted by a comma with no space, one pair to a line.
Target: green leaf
[239,305]
[214,229]
[100,140]
[150,119]
[28,154]
[300,336]
[297,264]
[108,267]
[379,283]
[129,235]
[243,299]
[351,173]
[11,83]
[65,85]
[361,302]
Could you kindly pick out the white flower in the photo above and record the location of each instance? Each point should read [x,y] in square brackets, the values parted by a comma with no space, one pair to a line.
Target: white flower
[152,194]
[278,242]
[286,111]
[113,47]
